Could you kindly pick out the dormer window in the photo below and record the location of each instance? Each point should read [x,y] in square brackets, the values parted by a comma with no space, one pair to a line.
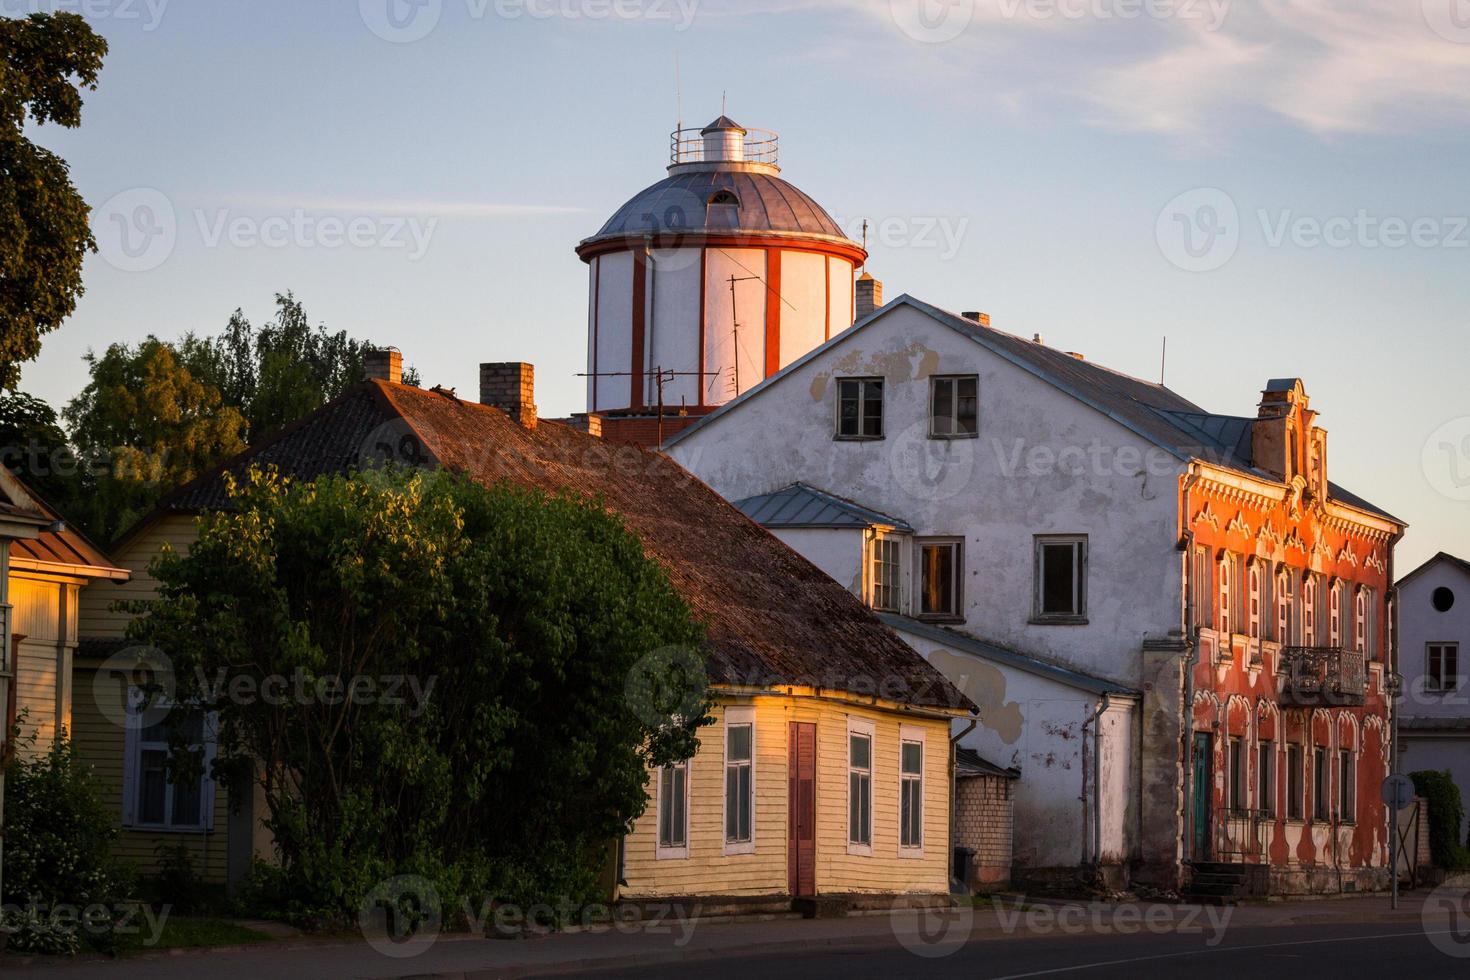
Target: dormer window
[724,197]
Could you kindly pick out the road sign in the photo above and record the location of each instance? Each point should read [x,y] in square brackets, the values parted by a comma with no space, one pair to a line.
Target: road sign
[1398,792]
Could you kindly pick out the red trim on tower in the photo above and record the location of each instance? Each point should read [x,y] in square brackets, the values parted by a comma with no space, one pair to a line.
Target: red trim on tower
[640,326]
[827,299]
[703,314]
[793,242]
[596,318]
[773,311]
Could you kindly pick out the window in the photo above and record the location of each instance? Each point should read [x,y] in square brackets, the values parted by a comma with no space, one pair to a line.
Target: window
[739,781]
[1226,581]
[941,567]
[1061,578]
[1334,614]
[1360,620]
[1346,806]
[911,791]
[1201,589]
[1266,778]
[1293,782]
[860,408]
[954,407]
[884,574]
[1309,598]
[1283,607]
[1237,775]
[1442,599]
[859,788]
[1369,640]
[1253,611]
[1443,673]
[1319,784]
[152,798]
[673,811]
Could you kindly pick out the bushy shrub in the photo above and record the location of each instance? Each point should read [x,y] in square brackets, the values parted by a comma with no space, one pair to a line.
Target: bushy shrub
[1446,810]
[58,853]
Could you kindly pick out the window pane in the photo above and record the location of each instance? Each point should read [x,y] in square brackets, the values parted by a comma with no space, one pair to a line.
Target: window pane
[854,807]
[739,743]
[938,573]
[967,406]
[677,832]
[861,751]
[943,406]
[872,408]
[913,758]
[187,803]
[1058,578]
[847,408]
[744,795]
[867,809]
[152,786]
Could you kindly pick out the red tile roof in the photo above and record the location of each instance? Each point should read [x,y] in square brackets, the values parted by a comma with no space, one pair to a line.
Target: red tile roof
[58,547]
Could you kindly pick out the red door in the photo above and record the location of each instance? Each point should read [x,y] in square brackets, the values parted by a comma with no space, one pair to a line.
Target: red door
[802,810]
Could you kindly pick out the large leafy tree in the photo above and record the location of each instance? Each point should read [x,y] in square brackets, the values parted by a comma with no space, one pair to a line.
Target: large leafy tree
[147,424]
[46,62]
[495,744]
[34,447]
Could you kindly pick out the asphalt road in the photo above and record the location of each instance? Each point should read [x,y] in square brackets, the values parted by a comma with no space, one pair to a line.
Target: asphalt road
[1242,954]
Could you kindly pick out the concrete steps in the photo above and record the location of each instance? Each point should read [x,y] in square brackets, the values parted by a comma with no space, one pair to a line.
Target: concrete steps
[1218,883]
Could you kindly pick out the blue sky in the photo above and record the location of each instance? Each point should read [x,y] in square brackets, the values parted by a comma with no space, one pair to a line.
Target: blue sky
[1276,186]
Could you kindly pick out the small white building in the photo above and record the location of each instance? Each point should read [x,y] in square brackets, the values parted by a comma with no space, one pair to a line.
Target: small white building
[1434,708]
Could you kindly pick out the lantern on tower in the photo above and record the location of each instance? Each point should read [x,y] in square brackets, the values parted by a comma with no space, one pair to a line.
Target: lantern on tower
[711,280]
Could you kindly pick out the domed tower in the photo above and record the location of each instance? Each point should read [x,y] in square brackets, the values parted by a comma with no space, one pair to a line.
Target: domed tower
[715,278]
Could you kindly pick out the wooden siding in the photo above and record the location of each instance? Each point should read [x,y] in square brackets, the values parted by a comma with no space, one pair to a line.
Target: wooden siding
[708,871]
[44,612]
[100,745]
[98,618]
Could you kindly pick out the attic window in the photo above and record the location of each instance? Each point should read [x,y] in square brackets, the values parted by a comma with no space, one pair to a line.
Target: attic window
[724,197]
[1442,599]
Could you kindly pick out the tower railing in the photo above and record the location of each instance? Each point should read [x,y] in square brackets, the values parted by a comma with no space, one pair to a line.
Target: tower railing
[688,146]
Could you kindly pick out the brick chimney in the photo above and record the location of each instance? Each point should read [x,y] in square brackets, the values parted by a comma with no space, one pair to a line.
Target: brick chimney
[869,296]
[981,318]
[384,365]
[511,387]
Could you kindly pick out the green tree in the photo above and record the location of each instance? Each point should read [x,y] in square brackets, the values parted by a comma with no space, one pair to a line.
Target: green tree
[34,447]
[46,61]
[458,662]
[147,424]
[280,372]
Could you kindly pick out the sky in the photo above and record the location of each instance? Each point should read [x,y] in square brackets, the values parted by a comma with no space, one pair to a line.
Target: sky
[1276,186]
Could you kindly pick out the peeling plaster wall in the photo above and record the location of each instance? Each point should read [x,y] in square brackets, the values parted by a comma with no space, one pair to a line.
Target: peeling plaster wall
[1044,463]
[1039,726]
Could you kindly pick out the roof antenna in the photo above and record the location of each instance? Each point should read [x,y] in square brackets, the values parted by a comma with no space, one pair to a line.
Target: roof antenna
[722,103]
[864,266]
[1163,361]
[678,95]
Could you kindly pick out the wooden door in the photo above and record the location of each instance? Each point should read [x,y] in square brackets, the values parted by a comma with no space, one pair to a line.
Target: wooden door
[1204,750]
[802,810]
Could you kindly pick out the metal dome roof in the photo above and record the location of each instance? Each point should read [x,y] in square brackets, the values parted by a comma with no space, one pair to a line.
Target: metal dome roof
[695,202]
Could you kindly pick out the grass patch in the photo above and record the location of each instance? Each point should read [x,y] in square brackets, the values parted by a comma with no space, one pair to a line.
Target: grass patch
[181,932]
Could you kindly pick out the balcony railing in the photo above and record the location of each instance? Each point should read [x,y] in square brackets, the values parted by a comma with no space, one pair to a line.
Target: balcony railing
[1240,835]
[1322,677]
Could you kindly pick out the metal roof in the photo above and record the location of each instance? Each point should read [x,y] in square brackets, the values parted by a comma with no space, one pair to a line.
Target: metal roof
[802,506]
[722,124]
[679,205]
[968,762]
[968,643]
[1155,413]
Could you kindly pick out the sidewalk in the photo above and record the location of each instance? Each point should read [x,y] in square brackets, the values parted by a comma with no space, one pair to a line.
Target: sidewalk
[692,940]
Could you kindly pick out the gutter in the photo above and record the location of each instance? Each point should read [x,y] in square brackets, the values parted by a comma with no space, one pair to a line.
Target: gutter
[1188,620]
[954,787]
[1102,706]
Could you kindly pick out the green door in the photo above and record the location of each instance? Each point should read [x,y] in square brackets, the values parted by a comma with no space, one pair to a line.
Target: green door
[1203,753]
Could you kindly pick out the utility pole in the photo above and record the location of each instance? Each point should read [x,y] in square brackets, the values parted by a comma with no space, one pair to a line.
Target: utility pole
[735,325]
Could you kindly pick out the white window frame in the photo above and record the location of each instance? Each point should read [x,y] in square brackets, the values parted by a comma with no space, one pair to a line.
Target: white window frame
[872,565]
[1447,681]
[133,749]
[912,735]
[663,852]
[734,718]
[864,727]
[1284,606]
[1255,599]
[1079,545]
[953,419]
[957,591]
[1311,599]
[862,399]
[1335,591]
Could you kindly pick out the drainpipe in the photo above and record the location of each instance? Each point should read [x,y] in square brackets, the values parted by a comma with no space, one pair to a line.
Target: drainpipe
[954,788]
[1390,703]
[1096,722]
[648,356]
[1189,623]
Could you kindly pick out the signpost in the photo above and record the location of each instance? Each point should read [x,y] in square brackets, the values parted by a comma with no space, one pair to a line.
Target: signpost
[1398,793]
